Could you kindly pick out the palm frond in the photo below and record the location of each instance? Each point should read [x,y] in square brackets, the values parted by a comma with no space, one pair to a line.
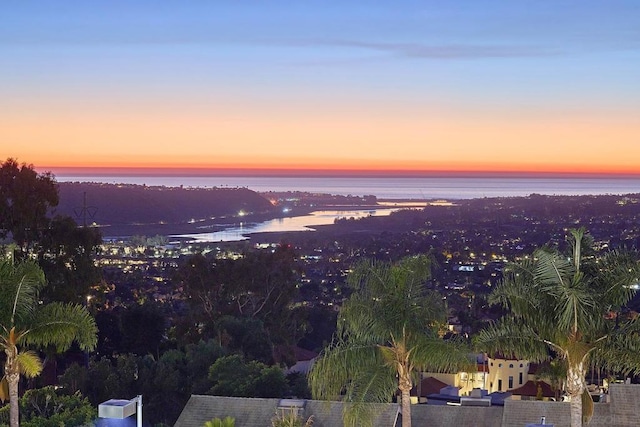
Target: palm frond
[574,304]
[552,269]
[60,325]
[29,363]
[20,285]
[614,274]
[334,370]
[516,290]
[620,352]
[513,339]
[436,355]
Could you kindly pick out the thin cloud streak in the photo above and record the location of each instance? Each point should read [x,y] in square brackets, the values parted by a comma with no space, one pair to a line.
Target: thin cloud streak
[452,51]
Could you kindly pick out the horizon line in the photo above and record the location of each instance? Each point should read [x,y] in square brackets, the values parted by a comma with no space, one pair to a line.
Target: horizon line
[337,173]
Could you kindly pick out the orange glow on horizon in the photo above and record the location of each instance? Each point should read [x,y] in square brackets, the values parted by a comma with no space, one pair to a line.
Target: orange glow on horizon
[322,141]
[452,170]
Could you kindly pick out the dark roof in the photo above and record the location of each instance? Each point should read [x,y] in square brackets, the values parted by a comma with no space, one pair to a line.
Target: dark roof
[428,386]
[530,388]
[283,353]
[250,412]
[304,354]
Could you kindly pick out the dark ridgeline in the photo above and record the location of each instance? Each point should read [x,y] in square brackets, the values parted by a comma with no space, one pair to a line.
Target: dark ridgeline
[125,209]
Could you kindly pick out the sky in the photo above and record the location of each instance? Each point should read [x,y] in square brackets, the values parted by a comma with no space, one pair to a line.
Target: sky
[465,85]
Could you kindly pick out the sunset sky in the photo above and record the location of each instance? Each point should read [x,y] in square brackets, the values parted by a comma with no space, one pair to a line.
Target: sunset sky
[465,85]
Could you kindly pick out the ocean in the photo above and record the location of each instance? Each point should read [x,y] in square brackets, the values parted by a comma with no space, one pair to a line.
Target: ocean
[390,188]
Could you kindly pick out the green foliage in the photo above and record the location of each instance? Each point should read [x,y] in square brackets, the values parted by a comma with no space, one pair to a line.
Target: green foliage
[66,253]
[290,418]
[104,378]
[200,357]
[25,321]
[298,385]
[560,306]
[218,422]
[556,302]
[232,376]
[48,407]
[166,383]
[244,303]
[246,336]
[387,330]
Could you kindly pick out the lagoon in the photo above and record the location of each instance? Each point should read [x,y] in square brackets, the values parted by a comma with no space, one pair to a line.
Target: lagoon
[296,223]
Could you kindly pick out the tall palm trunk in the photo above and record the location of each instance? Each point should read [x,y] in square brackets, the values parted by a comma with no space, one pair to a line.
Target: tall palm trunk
[12,373]
[405,395]
[406,408]
[405,383]
[575,388]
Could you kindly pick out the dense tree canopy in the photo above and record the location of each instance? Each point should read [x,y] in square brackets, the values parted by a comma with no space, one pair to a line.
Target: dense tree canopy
[66,253]
[256,289]
[52,407]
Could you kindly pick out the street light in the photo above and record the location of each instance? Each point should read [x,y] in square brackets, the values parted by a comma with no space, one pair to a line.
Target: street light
[121,408]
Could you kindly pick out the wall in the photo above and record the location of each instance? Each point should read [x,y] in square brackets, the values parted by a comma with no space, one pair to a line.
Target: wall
[499,370]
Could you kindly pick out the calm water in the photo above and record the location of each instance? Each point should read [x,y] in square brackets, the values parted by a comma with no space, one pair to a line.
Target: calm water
[297,223]
[393,188]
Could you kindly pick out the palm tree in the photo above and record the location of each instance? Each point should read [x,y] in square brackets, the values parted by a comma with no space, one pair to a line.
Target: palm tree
[558,308]
[555,372]
[25,322]
[387,331]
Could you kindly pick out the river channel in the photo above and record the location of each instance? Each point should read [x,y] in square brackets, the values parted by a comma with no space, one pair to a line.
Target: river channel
[295,223]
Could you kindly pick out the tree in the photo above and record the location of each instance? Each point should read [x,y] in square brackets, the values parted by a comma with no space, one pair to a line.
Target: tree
[387,331]
[232,376]
[25,200]
[48,407]
[142,328]
[24,322]
[66,253]
[260,285]
[558,307]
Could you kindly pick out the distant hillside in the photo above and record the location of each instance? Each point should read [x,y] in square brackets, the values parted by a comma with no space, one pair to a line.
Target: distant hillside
[122,208]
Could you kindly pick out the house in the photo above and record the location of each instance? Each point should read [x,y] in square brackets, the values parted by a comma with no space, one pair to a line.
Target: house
[506,374]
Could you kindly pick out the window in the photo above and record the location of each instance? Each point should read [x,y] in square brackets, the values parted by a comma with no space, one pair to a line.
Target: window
[520,378]
[511,365]
[521,365]
[510,382]
[499,385]
[499,365]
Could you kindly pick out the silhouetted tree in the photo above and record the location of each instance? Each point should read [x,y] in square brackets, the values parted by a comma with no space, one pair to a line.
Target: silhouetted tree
[25,200]
[142,328]
[66,253]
